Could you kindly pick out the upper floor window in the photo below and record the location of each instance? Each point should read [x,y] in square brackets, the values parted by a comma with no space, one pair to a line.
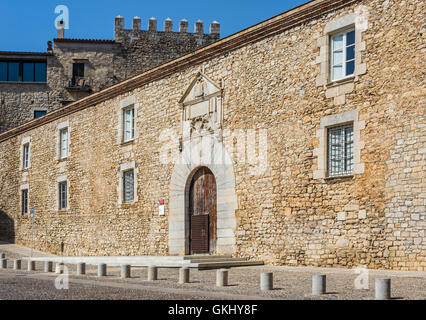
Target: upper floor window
[39,113]
[26,156]
[342,55]
[64,143]
[129,124]
[23,71]
[340,151]
[77,73]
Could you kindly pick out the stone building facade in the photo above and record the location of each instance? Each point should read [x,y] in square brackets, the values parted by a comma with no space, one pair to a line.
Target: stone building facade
[291,164]
[76,68]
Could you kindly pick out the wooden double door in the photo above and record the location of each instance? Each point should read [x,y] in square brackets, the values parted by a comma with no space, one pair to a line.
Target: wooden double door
[203,213]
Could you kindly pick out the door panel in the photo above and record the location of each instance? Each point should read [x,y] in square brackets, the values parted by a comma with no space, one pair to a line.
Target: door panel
[202,211]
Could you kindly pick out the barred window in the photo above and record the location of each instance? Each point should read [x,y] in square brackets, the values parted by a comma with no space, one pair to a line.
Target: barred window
[25,202]
[128,186]
[63,202]
[340,151]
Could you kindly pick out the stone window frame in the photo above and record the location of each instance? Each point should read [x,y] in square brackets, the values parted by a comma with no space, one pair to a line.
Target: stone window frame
[321,152]
[25,141]
[120,185]
[34,109]
[21,189]
[126,104]
[339,88]
[60,180]
[59,128]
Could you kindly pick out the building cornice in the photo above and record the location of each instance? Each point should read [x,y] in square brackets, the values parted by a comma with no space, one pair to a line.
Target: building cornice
[268,28]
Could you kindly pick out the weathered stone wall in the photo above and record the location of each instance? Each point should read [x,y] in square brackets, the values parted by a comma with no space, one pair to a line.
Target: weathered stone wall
[106,63]
[285,215]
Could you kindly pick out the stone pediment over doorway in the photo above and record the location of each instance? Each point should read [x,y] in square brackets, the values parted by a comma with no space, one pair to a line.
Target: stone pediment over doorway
[202,111]
[202,88]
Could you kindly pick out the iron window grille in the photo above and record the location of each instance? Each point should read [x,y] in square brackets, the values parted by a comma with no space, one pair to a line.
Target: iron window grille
[63,202]
[340,151]
[25,202]
[128,186]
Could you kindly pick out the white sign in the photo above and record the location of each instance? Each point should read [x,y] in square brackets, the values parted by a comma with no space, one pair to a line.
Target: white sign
[161,210]
[32,212]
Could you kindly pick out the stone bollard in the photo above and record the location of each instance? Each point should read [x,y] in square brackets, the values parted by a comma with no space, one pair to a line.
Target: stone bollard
[48,266]
[81,268]
[3,263]
[59,269]
[383,289]
[125,271]
[183,275]
[31,265]
[152,273]
[17,264]
[102,270]
[221,278]
[266,281]
[2,256]
[318,284]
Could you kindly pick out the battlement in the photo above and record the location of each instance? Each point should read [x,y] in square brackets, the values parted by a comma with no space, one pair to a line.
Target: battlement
[128,36]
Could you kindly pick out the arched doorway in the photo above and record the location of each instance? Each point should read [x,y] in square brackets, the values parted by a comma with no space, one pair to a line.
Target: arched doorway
[202,212]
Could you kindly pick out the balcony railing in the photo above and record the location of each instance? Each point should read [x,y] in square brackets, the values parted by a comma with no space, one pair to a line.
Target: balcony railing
[79,84]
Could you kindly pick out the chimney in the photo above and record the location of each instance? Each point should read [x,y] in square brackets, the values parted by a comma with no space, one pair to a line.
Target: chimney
[137,23]
[199,27]
[168,25]
[118,27]
[183,26]
[61,29]
[152,25]
[215,28]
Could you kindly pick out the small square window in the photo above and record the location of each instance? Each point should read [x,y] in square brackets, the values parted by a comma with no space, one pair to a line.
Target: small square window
[39,113]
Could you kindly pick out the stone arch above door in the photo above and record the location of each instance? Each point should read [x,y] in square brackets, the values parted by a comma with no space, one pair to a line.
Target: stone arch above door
[227,203]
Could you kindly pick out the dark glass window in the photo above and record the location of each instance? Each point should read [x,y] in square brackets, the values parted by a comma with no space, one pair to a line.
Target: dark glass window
[20,71]
[3,71]
[38,114]
[77,72]
[40,72]
[13,71]
[25,202]
[63,196]
[28,72]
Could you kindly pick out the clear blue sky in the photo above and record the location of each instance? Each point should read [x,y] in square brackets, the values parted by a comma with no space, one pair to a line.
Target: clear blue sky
[27,25]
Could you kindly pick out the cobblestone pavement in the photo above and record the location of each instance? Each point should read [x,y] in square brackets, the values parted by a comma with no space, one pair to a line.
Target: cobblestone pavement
[290,284]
